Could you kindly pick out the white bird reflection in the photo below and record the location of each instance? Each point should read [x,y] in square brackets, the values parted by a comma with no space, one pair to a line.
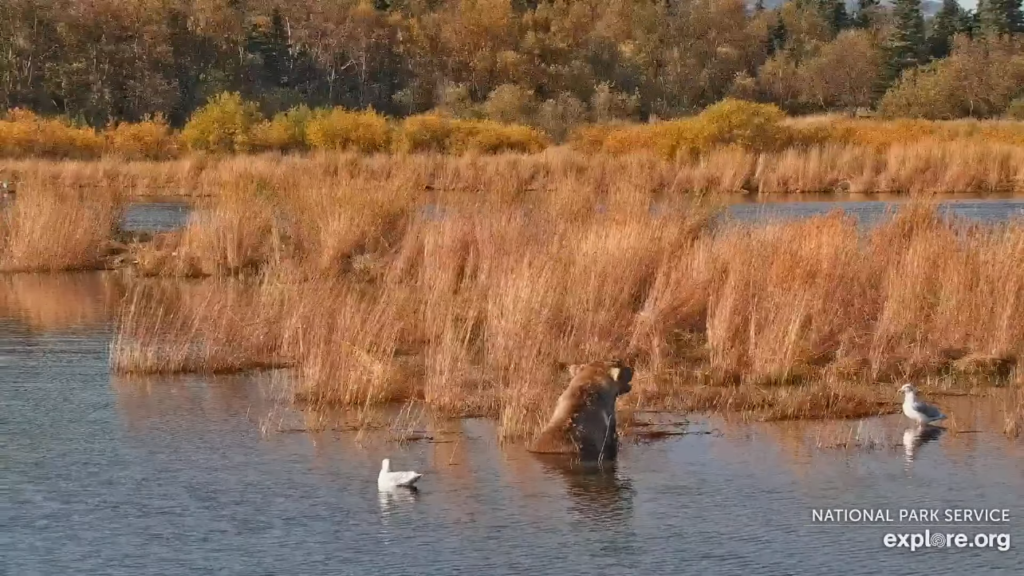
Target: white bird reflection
[394,501]
[915,437]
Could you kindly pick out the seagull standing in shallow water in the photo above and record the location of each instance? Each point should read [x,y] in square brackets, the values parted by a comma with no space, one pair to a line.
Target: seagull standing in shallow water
[387,479]
[917,410]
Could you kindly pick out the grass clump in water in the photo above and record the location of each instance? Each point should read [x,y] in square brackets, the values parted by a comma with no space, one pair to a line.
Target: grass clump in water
[479,311]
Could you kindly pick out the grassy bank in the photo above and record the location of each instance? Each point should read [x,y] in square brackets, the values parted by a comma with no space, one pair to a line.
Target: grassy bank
[923,168]
[732,146]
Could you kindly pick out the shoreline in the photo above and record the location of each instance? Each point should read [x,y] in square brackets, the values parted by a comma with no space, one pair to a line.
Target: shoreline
[922,169]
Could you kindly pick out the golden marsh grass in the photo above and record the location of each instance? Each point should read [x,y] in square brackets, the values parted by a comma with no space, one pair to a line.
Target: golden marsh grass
[925,167]
[475,307]
[467,283]
[56,230]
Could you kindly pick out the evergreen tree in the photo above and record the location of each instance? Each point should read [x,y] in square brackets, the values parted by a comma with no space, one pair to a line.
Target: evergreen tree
[758,6]
[1000,17]
[865,9]
[907,43]
[967,23]
[271,46]
[194,57]
[834,12]
[777,36]
[949,21]
[520,6]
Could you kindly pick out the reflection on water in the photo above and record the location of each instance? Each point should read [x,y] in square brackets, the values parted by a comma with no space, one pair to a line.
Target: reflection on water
[176,475]
[155,215]
[597,493]
[915,437]
[397,501]
[60,302]
[171,214]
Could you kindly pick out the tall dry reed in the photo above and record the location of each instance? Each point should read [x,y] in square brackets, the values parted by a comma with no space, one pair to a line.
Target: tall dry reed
[473,303]
[52,229]
[219,326]
[925,167]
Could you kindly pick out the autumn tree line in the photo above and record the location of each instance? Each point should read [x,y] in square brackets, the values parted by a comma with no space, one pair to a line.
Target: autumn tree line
[550,64]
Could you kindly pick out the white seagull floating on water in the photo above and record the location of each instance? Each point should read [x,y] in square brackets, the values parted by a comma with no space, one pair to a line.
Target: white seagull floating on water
[387,479]
[917,410]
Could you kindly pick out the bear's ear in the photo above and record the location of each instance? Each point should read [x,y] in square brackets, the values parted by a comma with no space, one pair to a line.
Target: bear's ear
[574,369]
[614,373]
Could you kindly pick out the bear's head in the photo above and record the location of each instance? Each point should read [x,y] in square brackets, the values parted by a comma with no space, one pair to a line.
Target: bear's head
[614,372]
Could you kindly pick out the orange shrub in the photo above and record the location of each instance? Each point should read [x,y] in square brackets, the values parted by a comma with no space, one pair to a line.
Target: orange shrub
[590,139]
[436,133]
[285,132]
[492,137]
[424,133]
[731,122]
[23,133]
[883,134]
[340,129]
[151,139]
[224,124]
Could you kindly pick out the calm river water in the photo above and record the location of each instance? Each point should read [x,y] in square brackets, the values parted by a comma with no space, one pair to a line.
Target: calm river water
[169,214]
[101,475]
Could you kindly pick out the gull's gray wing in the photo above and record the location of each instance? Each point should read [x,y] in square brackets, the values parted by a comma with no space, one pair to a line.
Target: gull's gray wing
[407,478]
[927,409]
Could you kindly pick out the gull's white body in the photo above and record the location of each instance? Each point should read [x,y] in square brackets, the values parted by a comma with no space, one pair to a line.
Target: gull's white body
[387,479]
[917,410]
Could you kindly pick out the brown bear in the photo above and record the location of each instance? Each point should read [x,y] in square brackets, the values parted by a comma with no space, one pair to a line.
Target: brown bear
[583,423]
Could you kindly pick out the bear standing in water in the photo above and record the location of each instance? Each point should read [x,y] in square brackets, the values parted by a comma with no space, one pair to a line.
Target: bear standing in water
[584,420]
